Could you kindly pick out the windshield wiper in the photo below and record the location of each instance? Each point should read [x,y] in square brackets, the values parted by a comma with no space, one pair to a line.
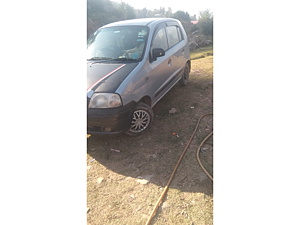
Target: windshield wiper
[105,59]
[100,58]
[125,59]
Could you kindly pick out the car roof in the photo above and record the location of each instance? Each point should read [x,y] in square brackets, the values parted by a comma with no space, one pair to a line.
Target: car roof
[141,22]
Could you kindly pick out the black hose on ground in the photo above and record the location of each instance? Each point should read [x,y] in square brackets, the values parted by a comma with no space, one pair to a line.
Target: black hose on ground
[175,169]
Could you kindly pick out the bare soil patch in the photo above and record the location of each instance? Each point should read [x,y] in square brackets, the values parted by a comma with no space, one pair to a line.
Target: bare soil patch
[126,175]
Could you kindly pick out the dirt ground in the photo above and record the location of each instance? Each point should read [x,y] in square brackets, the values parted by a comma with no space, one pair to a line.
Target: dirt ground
[126,175]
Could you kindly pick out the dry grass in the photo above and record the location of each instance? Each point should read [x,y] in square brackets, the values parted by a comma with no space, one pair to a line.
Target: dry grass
[202,52]
[115,165]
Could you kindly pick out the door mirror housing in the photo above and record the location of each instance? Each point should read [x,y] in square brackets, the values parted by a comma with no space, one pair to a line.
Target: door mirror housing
[157,52]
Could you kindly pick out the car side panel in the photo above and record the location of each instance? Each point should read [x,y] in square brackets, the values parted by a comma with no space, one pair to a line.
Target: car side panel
[155,79]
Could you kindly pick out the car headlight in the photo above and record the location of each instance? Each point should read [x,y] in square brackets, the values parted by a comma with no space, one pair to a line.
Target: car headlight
[105,100]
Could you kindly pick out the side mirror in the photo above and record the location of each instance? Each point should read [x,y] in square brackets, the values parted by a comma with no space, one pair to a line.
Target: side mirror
[157,52]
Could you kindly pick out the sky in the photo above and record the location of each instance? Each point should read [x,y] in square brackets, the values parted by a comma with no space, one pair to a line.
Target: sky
[191,6]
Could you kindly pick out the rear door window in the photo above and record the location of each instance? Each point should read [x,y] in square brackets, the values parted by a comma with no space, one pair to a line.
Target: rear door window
[173,35]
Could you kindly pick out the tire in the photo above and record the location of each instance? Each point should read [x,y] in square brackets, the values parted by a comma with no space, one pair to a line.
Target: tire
[185,76]
[141,119]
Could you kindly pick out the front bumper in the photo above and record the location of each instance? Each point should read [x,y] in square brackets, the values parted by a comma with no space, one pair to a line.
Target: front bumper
[110,121]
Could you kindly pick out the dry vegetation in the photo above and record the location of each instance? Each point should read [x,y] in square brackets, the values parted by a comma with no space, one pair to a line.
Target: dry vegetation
[126,175]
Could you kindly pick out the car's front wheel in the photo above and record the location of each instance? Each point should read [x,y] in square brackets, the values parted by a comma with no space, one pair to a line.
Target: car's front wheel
[141,119]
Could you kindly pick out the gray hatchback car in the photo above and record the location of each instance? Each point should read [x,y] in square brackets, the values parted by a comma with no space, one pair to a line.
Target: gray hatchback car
[131,65]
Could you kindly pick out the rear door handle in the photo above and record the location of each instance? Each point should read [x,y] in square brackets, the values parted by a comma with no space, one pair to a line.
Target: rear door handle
[170,62]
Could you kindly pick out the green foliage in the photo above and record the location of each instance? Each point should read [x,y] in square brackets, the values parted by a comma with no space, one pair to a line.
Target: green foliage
[161,12]
[205,24]
[101,12]
[126,11]
[182,16]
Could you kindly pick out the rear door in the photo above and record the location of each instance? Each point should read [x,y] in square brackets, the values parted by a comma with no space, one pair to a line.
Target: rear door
[176,46]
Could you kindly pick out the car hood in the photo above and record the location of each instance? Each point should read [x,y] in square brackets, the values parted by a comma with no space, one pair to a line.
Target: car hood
[107,77]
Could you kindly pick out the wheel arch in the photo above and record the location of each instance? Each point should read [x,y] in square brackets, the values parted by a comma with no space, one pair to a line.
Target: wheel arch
[147,100]
[189,63]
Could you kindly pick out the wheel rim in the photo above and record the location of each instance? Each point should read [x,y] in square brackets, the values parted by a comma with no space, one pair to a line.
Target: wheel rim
[140,121]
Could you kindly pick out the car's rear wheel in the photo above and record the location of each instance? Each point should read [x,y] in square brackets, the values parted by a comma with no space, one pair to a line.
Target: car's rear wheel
[185,76]
[141,119]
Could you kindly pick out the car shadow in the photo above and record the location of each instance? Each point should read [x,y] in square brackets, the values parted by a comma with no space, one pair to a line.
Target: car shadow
[155,153]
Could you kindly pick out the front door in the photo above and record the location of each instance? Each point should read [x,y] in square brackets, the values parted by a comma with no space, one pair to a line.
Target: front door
[163,68]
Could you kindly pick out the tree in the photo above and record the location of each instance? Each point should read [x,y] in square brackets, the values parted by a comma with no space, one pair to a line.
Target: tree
[126,11]
[101,12]
[205,24]
[185,20]
[182,16]
[143,13]
[98,14]
[169,12]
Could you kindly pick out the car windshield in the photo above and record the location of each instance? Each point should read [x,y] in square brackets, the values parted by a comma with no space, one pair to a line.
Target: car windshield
[118,43]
